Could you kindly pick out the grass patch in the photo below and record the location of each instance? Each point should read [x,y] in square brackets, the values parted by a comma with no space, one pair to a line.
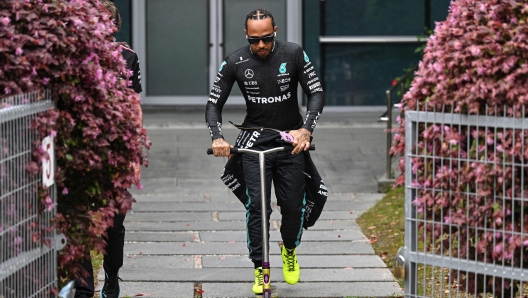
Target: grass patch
[97,263]
[384,225]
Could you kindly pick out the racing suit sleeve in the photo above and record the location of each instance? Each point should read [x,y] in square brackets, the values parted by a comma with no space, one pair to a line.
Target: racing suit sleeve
[219,93]
[136,75]
[132,63]
[311,86]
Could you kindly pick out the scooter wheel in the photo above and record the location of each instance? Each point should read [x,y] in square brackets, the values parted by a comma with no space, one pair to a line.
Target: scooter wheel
[274,293]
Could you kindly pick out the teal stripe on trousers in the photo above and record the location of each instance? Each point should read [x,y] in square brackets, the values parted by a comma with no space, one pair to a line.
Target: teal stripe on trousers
[302,223]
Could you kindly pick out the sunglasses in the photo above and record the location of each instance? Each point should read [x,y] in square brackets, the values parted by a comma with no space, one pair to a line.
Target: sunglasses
[265,39]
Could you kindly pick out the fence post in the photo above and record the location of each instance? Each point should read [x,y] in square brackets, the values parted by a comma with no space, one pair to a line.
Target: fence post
[389,134]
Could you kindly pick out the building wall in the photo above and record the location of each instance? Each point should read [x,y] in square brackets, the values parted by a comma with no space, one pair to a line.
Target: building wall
[125,10]
[354,72]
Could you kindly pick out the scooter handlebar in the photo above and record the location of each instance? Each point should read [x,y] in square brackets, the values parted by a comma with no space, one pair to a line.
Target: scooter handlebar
[235,150]
[231,151]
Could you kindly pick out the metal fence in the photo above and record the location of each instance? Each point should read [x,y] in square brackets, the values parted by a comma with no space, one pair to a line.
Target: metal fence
[466,234]
[28,263]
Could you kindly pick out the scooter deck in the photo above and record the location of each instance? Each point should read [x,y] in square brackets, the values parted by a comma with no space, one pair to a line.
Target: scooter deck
[274,293]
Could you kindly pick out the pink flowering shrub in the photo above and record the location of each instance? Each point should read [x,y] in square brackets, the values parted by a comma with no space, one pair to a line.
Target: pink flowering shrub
[472,184]
[62,45]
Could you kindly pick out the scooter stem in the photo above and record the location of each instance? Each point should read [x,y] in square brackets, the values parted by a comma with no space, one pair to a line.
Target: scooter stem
[266,287]
[264,209]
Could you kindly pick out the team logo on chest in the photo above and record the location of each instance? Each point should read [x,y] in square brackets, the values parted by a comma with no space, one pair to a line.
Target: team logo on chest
[249,73]
[282,68]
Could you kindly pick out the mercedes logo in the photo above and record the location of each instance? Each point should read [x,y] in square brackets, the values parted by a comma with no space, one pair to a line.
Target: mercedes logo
[248,73]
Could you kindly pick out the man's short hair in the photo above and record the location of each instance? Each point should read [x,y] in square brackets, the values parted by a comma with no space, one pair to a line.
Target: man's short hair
[260,14]
[110,8]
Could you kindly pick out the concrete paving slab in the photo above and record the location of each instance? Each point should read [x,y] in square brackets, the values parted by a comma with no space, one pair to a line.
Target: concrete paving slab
[245,274]
[241,215]
[332,235]
[131,236]
[350,155]
[186,226]
[238,248]
[335,197]
[156,289]
[202,183]
[180,186]
[180,206]
[238,236]
[230,197]
[175,190]
[161,197]
[203,173]
[157,164]
[325,215]
[155,262]
[337,173]
[305,261]
[210,166]
[186,248]
[308,289]
[350,206]
[169,216]
[349,197]
[335,225]
[343,197]
[344,188]
[337,215]
[369,196]
[332,248]
[310,235]
[158,182]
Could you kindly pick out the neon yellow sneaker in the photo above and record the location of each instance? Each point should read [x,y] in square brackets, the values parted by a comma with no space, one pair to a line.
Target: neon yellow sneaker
[290,266]
[259,281]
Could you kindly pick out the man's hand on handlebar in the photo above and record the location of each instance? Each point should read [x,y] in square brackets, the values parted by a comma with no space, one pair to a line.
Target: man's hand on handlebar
[221,147]
[301,140]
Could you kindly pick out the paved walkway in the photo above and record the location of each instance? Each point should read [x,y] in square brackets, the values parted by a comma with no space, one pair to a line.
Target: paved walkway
[187,227]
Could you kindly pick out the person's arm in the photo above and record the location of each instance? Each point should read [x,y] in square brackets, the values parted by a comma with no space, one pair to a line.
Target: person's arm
[311,86]
[213,111]
[136,76]
[136,86]
[136,82]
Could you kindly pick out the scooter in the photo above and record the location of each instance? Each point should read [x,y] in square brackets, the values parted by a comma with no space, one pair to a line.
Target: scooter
[268,291]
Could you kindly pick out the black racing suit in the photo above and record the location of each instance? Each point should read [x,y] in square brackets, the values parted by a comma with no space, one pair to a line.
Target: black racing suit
[269,87]
[115,239]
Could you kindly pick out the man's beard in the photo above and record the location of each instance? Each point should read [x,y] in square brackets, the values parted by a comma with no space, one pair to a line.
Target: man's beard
[263,57]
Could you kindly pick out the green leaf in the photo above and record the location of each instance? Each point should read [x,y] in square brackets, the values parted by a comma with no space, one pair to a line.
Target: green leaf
[69,157]
[97,188]
[496,207]
[92,190]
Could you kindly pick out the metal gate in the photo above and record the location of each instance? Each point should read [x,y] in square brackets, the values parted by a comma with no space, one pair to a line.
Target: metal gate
[28,264]
[463,239]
